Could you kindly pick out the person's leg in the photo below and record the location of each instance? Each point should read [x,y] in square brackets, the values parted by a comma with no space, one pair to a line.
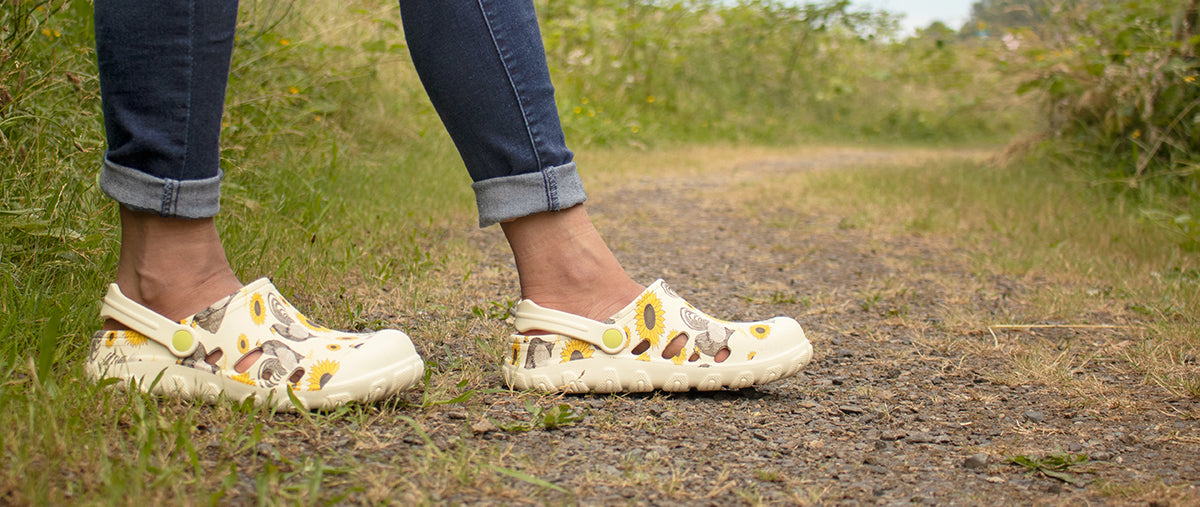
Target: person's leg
[583,324]
[178,319]
[484,67]
[163,68]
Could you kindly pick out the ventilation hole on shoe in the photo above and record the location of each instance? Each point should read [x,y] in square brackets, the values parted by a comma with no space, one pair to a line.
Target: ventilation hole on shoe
[641,347]
[675,347]
[247,360]
[296,376]
[695,357]
[214,356]
[722,355]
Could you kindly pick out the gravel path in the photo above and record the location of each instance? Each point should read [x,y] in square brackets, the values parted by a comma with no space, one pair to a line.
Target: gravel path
[910,397]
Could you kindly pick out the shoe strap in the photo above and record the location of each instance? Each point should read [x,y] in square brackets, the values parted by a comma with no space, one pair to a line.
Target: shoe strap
[181,340]
[607,337]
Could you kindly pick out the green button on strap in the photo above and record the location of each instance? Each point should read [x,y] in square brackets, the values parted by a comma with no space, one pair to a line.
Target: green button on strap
[182,340]
[612,338]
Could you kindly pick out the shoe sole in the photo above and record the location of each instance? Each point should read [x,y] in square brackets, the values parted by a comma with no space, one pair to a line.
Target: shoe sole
[185,382]
[611,374]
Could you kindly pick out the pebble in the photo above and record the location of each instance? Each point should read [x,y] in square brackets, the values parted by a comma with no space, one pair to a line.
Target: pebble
[266,450]
[456,415]
[976,461]
[483,426]
[892,435]
[851,409]
[920,437]
[1034,416]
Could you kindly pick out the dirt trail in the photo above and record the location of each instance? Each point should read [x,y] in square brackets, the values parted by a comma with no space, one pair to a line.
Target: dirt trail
[905,401]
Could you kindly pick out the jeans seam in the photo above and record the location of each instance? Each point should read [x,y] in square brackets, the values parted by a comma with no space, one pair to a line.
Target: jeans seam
[170,197]
[190,64]
[551,191]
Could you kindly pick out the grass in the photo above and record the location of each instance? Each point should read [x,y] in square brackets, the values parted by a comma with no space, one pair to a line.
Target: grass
[1101,267]
[367,230]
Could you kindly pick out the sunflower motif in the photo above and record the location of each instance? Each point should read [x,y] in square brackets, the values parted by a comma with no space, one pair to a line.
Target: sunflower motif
[650,318]
[644,357]
[243,344]
[516,352]
[760,331]
[109,338]
[751,355]
[309,324]
[258,310]
[321,373]
[678,359]
[334,347]
[243,378]
[135,338]
[576,350]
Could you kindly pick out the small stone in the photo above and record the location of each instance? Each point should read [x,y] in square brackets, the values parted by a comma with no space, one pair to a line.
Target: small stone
[976,461]
[456,415]
[596,403]
[996,480]
[483,426]
[808,404]
[1034,416]
[851,409]
[920,437]
[266,450]
[892,435]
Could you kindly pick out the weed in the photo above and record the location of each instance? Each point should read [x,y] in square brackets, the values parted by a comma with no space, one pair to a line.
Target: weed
[1056,466]
[558,416]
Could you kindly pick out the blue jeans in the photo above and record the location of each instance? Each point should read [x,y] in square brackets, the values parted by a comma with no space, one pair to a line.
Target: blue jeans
[164,65]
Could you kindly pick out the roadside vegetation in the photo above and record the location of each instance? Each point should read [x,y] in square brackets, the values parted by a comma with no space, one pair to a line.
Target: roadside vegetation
[343,187]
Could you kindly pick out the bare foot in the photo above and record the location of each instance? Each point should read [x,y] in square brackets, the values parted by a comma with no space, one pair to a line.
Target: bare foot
[564,264]
[173,266]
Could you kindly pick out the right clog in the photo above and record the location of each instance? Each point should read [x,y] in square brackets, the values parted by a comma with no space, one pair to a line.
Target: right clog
[251,343]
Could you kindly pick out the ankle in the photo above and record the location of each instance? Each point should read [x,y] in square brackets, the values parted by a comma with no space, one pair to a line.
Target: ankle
[175,267]
[564,264]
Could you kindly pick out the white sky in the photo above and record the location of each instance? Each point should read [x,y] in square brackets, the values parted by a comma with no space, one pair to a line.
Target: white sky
[919,13]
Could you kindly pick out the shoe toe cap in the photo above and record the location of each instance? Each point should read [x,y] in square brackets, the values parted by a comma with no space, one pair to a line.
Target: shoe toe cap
[386,354]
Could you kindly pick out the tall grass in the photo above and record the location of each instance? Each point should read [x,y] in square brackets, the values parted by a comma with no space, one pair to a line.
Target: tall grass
[765,71]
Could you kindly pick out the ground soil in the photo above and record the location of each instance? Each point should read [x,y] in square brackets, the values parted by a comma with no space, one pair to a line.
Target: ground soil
[910,397]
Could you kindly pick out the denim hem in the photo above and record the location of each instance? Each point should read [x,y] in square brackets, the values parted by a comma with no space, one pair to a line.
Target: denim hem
[139,191]
[508,197]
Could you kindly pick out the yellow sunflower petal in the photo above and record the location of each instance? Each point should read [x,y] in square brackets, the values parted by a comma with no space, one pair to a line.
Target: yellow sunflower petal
[135,338]
[575,350]
[760,331]
[258,309]
[321,373]
[649,321]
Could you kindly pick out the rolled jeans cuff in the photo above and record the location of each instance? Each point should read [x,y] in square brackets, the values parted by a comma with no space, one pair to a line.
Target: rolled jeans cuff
[139,191]
[508,197]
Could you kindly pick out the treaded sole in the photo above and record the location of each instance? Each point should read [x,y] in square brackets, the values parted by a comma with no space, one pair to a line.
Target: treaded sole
[185,382]
[608,374]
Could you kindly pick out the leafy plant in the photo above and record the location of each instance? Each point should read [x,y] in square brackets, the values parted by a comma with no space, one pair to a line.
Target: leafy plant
[558,416]
[1056,466]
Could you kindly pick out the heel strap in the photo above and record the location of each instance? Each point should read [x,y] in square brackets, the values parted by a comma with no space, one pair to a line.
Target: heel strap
[178,338]
[607,337]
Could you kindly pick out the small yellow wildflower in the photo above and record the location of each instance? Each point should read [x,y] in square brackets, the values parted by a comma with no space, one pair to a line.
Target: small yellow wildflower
[583,101]
[635,129]
[1189,79]
[1137,133]
[284,42]
[591,114]
[293,90]
[578,110]
[649,99]
[51,32]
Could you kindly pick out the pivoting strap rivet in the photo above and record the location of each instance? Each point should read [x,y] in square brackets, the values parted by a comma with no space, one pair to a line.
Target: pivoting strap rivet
[612,338]
[182,340]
